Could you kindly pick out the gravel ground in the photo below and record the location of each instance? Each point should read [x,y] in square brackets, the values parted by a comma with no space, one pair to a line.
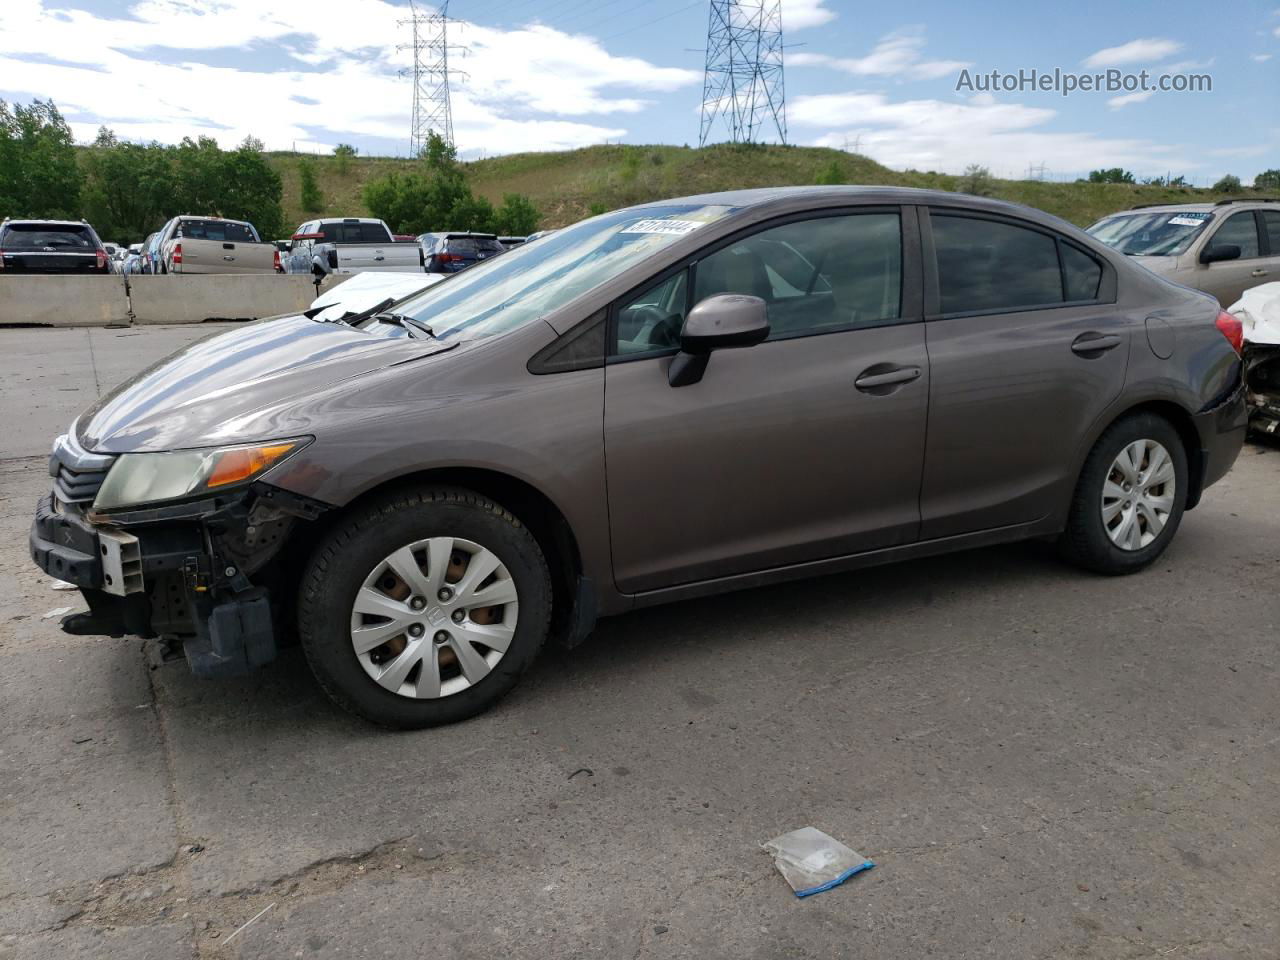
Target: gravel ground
[1042,763]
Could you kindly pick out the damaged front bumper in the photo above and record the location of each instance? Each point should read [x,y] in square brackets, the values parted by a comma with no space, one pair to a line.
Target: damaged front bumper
[1262,383]
[198,572]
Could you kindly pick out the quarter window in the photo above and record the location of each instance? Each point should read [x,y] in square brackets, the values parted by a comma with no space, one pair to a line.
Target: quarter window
[1241,230]
[988,266]
[1081,274]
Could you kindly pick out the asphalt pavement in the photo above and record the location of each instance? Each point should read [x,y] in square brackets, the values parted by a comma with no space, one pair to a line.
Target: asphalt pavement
[1041,762]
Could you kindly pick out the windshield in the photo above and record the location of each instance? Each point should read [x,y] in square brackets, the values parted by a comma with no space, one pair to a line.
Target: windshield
[498,295]
[1151,234]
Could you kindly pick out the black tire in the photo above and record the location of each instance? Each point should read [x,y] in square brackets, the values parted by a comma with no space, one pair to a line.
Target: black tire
[342,560]
[1085,542]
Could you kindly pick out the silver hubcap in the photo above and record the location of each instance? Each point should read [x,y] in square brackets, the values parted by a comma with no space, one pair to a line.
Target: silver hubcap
[1137,496]
[434,618]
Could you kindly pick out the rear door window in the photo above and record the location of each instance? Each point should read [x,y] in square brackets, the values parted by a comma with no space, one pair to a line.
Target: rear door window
[217,230]
[1241,230]
[37,236]
[988,266]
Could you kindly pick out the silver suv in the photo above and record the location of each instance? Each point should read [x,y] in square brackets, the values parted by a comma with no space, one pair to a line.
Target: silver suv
[1222,248]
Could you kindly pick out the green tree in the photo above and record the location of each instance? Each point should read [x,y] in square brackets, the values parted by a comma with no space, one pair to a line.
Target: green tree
[1267,180]
[1229,184]
[831,176]
[128,187]
[976,181]
[238,184]
[517,217]
[343,154]
[435,196]
[312,198]
[39,174]
[1111,175]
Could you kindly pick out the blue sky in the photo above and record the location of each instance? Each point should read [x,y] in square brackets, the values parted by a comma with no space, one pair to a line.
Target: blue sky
[552,74]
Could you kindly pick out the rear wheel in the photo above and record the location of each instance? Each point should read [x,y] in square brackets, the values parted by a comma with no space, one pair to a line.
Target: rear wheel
[425,608]
[1129,498]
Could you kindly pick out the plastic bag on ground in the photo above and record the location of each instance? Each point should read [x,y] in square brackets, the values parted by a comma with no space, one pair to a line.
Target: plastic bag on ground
[811,861]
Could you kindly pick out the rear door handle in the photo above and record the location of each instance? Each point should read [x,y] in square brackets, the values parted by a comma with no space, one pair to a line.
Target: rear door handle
[1095,343]
[889,378]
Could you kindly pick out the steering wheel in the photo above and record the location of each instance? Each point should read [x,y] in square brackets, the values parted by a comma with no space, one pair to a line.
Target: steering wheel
[653,326]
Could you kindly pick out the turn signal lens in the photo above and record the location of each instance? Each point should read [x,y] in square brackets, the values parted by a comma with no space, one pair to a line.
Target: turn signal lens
[239,464]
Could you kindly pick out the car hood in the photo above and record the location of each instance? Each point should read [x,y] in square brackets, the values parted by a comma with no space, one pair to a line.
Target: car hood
[238,386]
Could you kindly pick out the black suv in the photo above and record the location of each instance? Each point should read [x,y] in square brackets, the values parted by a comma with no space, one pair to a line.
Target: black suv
[451,252]
[51,246]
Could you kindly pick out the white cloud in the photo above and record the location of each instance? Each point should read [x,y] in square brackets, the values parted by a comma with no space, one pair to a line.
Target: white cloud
[898,54]
[1262,57]
[798,14]
[948,136]
[529,88]
[1115,103]
[1149,50]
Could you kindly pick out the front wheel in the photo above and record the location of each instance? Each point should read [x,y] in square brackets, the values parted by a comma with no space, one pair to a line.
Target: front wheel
[1130,497]
[424,608]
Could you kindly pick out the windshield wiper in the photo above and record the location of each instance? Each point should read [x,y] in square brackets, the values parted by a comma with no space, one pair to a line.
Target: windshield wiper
[406,321]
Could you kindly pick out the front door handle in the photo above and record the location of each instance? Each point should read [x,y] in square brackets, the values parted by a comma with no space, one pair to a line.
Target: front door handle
[1258,273]
[869,381]
[1092,344]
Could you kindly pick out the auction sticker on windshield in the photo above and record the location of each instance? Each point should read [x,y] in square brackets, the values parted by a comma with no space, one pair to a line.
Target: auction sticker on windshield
[1188,219]
[677,227]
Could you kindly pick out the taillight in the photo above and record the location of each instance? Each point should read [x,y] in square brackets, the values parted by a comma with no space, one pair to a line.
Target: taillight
[449,257]
[1232,329]
[102,259]
[177,253]
[276,263]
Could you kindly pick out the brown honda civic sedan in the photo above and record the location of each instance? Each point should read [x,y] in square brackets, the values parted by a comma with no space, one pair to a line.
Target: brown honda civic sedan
[671,400]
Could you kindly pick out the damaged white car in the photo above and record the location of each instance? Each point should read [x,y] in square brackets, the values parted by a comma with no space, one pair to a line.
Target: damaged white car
[1259,313]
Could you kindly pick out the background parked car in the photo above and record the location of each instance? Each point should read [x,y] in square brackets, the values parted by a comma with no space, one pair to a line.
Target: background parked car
[350,245]
[451,252]
[151,253]
[134,260]
[1222,248]
[51,246]
[213,245]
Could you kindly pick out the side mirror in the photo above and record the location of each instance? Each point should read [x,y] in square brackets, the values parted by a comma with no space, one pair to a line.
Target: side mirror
[716,323]
[1220,251]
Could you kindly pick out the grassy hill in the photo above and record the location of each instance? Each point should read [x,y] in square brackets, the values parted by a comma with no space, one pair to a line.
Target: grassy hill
[566,185]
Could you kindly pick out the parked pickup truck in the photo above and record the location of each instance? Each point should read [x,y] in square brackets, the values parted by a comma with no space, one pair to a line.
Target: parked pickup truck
[212,245]
[350,245]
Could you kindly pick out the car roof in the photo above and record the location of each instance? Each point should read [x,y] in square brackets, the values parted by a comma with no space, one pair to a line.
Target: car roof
[804,198]
[51,223]
[1244,203]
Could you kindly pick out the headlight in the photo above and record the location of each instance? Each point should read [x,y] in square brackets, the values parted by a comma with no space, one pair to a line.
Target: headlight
[144,478]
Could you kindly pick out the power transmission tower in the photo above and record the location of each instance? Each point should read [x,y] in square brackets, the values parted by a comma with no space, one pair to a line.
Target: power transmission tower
[432,110]
[743,76]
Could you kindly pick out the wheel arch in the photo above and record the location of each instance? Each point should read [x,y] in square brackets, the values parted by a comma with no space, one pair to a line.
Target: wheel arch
[1181,420]
[533,508]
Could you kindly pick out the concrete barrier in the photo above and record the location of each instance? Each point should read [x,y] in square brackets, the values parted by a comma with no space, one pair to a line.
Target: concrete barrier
[231,296]
[63,301]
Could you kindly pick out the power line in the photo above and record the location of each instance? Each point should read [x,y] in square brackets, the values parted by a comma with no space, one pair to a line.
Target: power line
[432,109]
[743,80]
[638,26]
